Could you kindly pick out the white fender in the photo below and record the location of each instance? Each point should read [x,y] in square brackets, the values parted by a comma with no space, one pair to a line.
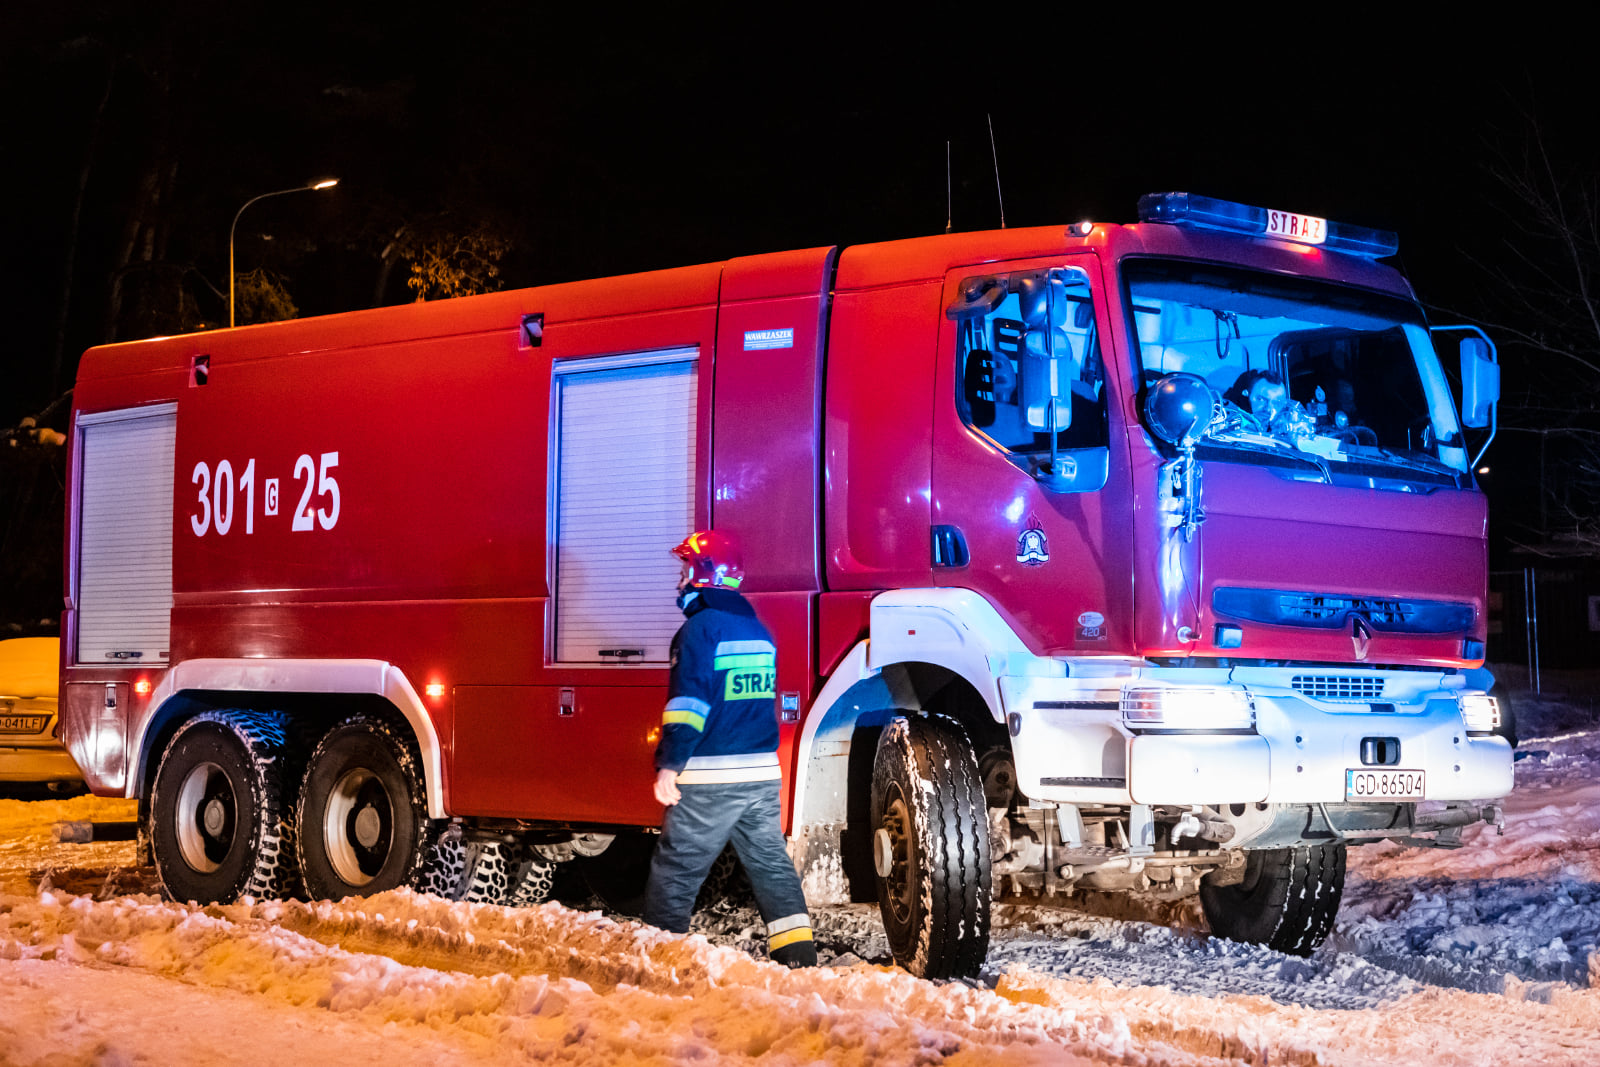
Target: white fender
[852,669]
[301,676]
[953,628]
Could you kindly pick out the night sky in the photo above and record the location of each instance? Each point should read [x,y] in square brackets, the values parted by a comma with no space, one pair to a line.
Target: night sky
[599,144]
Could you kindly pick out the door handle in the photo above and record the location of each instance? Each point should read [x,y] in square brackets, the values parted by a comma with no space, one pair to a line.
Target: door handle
[949,547]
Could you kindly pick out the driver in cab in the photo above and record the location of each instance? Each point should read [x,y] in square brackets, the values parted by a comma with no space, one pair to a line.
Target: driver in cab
[1260,392]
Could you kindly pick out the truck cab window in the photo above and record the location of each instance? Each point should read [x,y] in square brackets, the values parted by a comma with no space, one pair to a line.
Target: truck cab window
[1028,361]
[1321,380]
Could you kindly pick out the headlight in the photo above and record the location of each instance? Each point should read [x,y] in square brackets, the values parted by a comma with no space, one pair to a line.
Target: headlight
[1481,711]
[1188,708]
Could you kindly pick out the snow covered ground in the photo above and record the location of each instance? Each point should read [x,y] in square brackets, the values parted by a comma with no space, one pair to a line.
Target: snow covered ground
[1485,955]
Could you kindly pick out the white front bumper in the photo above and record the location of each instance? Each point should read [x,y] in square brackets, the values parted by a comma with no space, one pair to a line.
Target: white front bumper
[1069,745]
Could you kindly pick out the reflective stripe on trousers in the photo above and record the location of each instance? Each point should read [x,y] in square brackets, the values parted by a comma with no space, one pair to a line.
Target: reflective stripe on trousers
[788,930]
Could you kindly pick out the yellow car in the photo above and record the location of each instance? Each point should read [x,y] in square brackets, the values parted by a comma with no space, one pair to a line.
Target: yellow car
[30,751]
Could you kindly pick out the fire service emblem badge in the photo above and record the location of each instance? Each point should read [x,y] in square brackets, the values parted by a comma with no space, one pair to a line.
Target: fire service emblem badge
[1033,548]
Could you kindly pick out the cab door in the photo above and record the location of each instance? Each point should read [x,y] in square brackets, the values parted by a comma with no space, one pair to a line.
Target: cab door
[1044,533]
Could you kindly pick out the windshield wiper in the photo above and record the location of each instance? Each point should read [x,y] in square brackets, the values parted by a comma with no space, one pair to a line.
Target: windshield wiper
[1277,453]
[1425,464]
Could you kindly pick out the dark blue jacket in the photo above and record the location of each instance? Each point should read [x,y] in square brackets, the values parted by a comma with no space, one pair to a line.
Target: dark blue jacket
[720,722]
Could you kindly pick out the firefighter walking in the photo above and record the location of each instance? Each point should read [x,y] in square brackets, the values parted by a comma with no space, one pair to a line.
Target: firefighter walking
[717,762]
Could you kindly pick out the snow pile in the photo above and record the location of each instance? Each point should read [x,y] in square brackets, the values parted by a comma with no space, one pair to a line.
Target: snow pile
[1501,910]
[407,978]
[545,983]
[1483,955]
[29,851]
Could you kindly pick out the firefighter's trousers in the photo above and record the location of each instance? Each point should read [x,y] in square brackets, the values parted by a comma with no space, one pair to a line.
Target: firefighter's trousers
[694,833]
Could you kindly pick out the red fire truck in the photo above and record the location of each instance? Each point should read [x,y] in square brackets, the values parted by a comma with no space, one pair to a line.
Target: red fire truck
[1120,557]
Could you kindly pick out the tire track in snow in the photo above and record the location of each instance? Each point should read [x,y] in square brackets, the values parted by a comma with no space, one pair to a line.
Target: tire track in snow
[672,998]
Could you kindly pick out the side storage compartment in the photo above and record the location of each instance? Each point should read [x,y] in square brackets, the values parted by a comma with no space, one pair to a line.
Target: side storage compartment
[119,579]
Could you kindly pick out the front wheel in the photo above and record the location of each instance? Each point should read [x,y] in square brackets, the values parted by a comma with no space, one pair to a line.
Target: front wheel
[363,816]
[1287,900]
[931,847]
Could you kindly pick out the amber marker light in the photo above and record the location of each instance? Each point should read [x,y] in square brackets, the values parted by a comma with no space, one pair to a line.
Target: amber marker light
[142,687]
[435,690]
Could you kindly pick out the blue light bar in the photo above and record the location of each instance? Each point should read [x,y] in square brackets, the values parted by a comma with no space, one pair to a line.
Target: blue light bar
[1204,213]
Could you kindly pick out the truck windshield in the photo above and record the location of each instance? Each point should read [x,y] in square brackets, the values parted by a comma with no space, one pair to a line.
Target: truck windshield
[1322,382]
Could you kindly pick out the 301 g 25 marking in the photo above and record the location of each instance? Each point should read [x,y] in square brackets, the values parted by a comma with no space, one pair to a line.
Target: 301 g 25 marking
[215,496]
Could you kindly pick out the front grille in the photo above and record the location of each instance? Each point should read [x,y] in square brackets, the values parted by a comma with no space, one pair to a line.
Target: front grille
[1351,687]
[1323,611]
[1316,610]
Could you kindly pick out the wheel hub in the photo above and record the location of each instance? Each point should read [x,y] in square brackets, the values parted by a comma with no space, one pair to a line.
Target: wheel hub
[357,826]
[205,817]
[892,856]
[883,853]
[214,818]
[368,826]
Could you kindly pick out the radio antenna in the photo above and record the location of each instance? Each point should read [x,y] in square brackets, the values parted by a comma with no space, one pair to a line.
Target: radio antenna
[995,155]
[949,208]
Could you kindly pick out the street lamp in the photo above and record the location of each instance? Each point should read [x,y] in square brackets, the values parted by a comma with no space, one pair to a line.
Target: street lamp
[326,183]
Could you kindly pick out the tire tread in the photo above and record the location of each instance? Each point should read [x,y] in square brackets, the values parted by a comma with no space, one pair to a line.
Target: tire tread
[952,937]
[1292,905]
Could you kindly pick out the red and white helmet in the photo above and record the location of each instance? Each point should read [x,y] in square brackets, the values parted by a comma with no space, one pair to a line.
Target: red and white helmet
[714,560]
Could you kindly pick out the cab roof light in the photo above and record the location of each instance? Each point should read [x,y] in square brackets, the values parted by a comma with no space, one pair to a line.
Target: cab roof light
[1204,213]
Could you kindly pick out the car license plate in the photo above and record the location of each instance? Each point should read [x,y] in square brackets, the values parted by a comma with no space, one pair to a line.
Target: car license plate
[22,724]
[1371,783]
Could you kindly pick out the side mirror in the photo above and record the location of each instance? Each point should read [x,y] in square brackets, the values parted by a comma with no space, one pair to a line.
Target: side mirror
[1179,408]
[1044,380]
[1480,382]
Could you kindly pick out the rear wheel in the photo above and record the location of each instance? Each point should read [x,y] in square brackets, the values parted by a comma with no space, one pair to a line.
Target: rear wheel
[487,874]
[363,815]
[220,825]
[726,883]
[444,861]
[617,876]
[931,847]
[533,878]
[508,873]
[1287,900]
